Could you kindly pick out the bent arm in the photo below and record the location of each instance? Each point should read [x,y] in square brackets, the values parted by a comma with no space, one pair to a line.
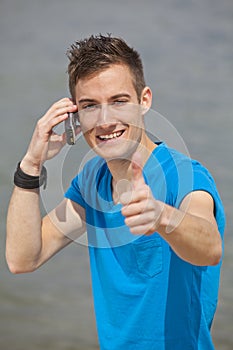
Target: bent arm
[191,230]
[31,240]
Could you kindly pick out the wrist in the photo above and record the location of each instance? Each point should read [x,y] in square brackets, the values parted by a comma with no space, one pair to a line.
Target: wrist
[28,181]
[30,167]
[170,219]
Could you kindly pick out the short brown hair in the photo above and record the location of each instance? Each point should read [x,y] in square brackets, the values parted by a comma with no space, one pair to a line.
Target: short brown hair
[99,52]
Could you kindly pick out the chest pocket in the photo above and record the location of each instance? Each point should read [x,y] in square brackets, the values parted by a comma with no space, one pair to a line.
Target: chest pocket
[148,254]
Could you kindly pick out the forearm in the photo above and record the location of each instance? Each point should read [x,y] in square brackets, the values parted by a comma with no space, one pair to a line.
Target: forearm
[193,238]
[23,242]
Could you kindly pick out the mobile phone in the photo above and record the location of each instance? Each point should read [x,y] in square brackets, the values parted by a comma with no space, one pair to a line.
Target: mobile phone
[70,126]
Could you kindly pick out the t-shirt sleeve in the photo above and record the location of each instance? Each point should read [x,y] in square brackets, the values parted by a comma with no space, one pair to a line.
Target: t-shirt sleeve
[74,193]
[201,180]
[84,184]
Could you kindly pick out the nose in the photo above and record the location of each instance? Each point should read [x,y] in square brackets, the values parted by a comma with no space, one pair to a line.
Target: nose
[104,115]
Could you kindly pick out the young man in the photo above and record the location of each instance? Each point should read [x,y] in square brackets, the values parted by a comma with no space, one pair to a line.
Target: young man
[154,218]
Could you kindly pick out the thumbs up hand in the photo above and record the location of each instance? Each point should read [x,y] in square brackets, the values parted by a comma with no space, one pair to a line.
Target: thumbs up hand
[142,211]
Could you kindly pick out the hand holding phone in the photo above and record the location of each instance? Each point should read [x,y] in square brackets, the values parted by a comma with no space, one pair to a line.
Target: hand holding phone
[70,127]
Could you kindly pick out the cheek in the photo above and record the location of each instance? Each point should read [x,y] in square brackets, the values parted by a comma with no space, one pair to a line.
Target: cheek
[136,129]
[134,118]
[137,126]
[88,137]
[86,126]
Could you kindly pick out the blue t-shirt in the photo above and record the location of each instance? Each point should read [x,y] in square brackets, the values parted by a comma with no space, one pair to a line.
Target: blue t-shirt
[145,296]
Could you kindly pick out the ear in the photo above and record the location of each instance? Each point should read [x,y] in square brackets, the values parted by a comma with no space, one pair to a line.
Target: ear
[146,98]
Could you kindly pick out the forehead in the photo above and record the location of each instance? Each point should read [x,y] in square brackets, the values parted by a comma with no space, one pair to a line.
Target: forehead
[108,81]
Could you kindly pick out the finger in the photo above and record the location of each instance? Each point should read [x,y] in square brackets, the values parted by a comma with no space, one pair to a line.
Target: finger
[146,218]
[60,109]
[136,208]
[56,116]
[145,223]
[146,229]
[138,179]
[135,196]
[64,101]
[68,104]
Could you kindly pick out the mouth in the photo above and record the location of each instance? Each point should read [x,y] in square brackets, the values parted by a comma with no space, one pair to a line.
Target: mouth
[112,136]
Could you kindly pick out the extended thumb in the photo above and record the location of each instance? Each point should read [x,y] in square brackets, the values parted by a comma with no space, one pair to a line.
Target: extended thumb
[137,174]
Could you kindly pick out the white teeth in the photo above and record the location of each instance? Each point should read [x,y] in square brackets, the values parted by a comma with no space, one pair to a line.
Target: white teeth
[111,136]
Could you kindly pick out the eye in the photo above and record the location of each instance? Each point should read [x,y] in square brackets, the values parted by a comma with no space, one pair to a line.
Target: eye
[120,102]
[89,107]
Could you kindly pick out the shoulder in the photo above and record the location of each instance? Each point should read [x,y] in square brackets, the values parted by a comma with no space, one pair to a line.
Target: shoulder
[173,160]
[172,164]
[86,179]
[191,176]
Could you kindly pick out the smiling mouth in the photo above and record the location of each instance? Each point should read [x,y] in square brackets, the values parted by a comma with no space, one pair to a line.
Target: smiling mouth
[111,136]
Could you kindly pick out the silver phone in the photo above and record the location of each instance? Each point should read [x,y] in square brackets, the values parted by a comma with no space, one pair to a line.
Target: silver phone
[70,126]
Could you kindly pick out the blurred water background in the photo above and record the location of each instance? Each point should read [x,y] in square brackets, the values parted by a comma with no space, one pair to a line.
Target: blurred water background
[187,49]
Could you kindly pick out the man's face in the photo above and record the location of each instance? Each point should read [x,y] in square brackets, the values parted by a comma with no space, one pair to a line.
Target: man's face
[109,112]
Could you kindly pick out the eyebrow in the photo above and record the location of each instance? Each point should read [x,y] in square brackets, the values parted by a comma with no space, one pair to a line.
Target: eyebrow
[83,100]
[120,95]
[86,100]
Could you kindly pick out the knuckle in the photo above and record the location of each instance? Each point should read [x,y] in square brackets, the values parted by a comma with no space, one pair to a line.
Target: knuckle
[40,124]
[145,191]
